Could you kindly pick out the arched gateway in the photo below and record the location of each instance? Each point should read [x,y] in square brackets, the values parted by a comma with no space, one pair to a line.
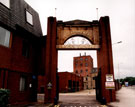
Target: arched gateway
[98,33]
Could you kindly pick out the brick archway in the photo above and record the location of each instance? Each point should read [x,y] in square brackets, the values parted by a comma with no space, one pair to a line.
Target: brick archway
[97,31]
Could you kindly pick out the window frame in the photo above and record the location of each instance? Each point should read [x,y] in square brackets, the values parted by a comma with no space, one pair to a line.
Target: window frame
[86,59]
[81,71]
[5,36]
[81,59]
[24,83]
[27,19]
[25,49]
[86,64]
[81,64]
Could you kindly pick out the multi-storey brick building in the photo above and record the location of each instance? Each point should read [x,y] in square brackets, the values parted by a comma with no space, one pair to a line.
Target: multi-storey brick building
[20,50]
[83,66]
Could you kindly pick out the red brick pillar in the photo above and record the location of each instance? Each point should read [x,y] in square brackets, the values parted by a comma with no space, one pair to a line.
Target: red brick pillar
[104,57]
[51,62]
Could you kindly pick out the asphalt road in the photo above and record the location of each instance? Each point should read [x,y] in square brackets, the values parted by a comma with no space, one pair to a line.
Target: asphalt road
[84,98]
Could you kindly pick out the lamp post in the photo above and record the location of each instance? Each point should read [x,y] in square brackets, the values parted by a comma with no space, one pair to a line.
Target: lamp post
[119,71]
[118,61]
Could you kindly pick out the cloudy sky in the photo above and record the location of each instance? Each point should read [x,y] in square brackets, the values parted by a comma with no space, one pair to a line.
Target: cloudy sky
[122,20]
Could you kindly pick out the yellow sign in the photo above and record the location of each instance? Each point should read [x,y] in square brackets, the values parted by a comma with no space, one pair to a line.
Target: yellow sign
[49,85]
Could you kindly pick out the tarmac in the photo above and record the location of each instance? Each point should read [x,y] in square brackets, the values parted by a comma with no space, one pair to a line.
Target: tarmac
[125,97]
[85,98]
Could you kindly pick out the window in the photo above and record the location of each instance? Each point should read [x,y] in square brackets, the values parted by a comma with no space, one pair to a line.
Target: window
[86,59]
[86,64]
[81,71]
[22,84]
[25,49]
[76,64]
[77,40]
[29,18]
[87,86]
[76,60]
[94,78]
[6,3]
[86,70]
[81,64]
[76,71]
[4,37]
[81,59]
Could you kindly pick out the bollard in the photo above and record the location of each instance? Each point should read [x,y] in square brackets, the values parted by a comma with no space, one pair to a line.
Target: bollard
[55,101]
[103,101]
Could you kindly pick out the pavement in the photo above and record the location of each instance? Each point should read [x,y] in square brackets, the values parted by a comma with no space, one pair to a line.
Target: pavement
[125,97]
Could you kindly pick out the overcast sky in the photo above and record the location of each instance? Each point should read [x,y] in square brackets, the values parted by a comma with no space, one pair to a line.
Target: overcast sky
[122,20]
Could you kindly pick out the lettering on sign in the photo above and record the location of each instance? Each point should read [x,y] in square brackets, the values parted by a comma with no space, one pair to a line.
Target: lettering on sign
[110,85]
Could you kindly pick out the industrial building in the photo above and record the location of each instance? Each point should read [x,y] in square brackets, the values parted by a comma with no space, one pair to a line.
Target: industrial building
[70,82]
[83,66]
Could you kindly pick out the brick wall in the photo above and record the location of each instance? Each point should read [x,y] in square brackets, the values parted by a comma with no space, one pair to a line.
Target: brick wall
[80,64]
[64,85]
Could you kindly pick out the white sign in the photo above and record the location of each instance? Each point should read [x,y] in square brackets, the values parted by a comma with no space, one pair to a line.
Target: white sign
[109,77]
[110,85]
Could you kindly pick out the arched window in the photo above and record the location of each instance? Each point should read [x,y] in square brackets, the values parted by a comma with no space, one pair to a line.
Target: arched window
[77,40]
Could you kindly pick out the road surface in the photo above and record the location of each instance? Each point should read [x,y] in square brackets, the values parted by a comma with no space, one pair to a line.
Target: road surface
[85,98]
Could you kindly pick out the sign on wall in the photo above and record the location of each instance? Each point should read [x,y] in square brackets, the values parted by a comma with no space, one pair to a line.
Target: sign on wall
[109,77]
[109,84]
[49,85]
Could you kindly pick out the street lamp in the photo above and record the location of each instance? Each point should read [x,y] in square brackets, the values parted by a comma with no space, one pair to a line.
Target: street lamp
[118,61]
[119,71]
